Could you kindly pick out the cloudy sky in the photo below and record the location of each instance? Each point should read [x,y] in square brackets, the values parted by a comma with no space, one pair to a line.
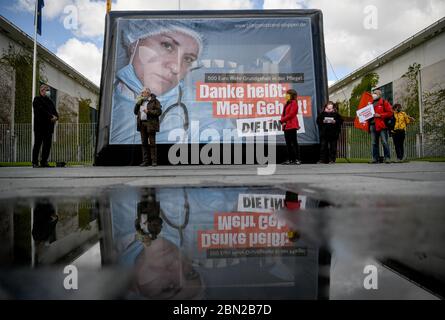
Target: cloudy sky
[349,44]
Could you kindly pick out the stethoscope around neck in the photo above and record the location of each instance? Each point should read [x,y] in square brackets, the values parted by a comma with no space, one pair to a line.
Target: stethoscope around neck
[178,104]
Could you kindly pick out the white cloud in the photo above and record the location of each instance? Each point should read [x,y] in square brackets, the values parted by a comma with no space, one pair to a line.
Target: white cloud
[91,14]
[91,18]
[283,4]
[185,4]
[348,44]
[216,4]
[52,8]
[85,57]
[121,5]
[25,5]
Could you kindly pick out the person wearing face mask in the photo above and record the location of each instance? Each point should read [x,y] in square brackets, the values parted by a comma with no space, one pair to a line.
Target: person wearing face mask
[45,117]
[147,110]
[329,123]
[157,56]
[378,128]
[398,134]
[290,124]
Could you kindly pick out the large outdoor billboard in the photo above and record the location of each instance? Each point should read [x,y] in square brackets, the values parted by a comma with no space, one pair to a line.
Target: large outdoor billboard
[219,76]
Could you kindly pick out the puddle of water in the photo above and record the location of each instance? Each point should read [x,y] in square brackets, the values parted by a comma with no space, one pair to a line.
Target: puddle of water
[201,243]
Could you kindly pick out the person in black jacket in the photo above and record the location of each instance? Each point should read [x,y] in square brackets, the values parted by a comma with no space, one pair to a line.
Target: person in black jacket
[44,222]
[329,123]
[45,117]
[148,109]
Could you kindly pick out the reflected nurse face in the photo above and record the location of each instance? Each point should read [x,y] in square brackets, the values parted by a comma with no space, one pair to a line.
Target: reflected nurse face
[162,60]
[163,272]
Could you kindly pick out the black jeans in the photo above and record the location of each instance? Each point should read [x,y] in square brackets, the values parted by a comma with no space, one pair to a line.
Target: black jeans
[398,137]
[39,139]
[148,138]
[292,144]
[328,149]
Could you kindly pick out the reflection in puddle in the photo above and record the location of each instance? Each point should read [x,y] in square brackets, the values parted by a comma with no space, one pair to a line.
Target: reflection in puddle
[183,243]
[188,243]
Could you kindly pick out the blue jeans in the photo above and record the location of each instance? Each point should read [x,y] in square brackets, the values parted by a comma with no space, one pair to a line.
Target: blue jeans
[375,143]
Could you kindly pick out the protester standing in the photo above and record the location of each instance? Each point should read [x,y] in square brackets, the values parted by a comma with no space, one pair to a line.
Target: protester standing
[399,132]
[45,117]
[291,125]
[329,123]
[148,110]
[378,128]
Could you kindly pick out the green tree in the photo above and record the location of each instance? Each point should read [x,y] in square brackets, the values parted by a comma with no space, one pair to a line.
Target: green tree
[368,82]
[343,108]
[21,61]
[84,110]
[411,99]
[434,120]
[434,107]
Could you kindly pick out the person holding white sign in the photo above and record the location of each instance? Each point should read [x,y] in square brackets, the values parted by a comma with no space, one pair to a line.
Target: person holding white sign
[366,113]
[377,127]
[329,123]
[290,125]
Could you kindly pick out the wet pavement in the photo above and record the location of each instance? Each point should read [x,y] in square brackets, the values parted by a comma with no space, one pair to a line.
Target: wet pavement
[162,233]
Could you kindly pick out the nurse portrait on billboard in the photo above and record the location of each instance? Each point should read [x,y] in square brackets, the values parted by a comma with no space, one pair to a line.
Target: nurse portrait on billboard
[158,56]
[174,57]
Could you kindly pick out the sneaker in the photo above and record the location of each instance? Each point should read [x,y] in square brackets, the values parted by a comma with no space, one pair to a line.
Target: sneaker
[297,162]
[288,162]
[331,162]
[387,161]
[144,164]
[35,165]
[154,164]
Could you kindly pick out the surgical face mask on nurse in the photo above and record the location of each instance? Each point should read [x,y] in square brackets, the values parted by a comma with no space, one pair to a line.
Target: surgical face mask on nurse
[162,60]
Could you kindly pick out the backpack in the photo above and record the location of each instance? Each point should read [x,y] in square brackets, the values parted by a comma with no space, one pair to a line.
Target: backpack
[390,122]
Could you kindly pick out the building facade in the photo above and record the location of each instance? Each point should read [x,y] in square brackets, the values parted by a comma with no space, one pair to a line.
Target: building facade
[412,74]
[76,97]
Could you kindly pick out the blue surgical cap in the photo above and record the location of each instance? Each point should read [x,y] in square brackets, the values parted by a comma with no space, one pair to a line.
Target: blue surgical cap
[137,29]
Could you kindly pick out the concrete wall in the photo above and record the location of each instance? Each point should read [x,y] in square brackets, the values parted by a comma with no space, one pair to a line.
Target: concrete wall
[64,83]
[426,54]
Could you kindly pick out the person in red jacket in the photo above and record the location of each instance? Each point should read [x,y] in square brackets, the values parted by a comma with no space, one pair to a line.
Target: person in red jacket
[377,127]
[290,124]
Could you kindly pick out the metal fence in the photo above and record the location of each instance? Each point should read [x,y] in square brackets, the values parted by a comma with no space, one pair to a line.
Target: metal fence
[356,144]
[72,142]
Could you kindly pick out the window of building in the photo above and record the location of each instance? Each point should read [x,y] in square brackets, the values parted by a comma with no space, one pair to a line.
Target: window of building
[387,92]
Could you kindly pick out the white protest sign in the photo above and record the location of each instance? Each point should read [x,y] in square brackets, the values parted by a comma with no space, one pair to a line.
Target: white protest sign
[365,113]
